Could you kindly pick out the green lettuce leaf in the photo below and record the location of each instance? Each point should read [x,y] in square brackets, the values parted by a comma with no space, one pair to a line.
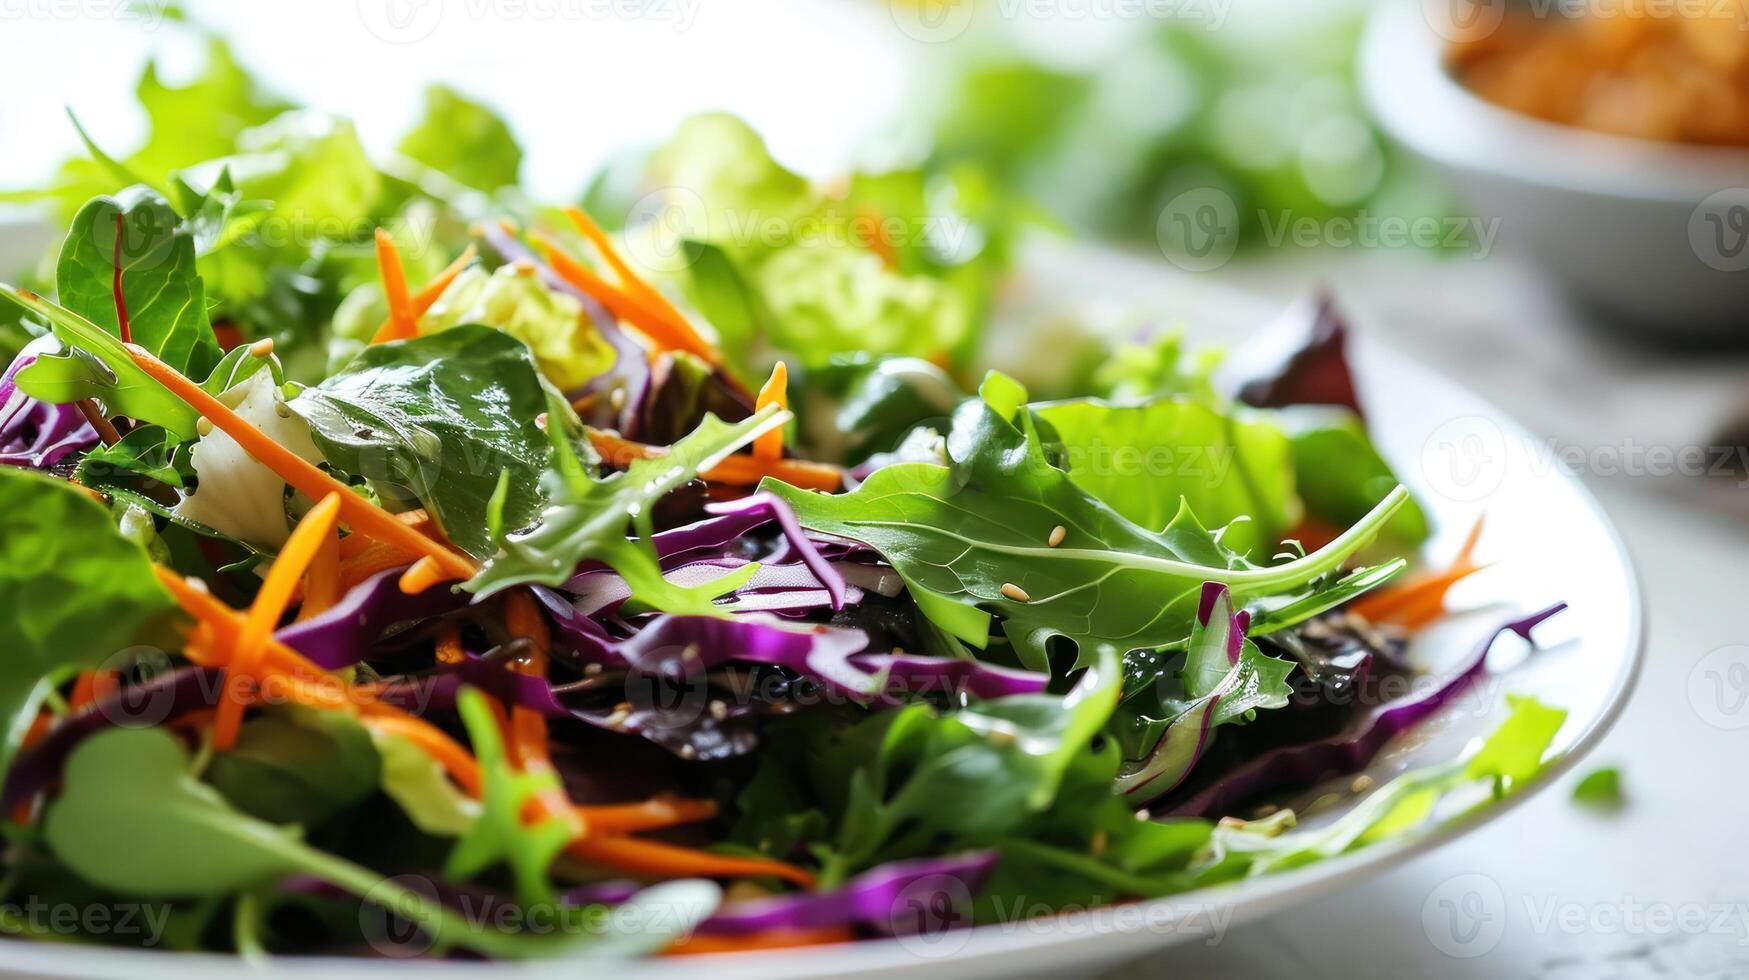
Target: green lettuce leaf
[464,140]
[136,240]
[1144,460]
[93,364]
[74,593]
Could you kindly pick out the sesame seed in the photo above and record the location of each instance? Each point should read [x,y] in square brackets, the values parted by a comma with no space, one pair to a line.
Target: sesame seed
[690,653]
[719,710]
[1058,533]
[1015,592]
[592,670]
[1144,815]
[1361,783]
[688,752]
[617,399]
[203,426]
[523,267]
[1099,842]
[261,348]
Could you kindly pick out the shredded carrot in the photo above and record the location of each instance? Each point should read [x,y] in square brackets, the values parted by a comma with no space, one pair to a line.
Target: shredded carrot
[223,623]
[360,514]
[322,585]
[1422,600]
[645,857]
[84,690]
[456,760]
[652,814]
[427,296]
[666,331]
[417,519]
[403,325]
[449,643]
[422,575]
[628,279]
[378,557]
[740,471]
[698,944]
[264,613]
[768,448]
[870,229]
[528,728]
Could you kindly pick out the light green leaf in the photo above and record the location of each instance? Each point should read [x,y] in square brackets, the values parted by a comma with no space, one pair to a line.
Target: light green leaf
[137,239]
[463,140]
[95,365]
[73,592]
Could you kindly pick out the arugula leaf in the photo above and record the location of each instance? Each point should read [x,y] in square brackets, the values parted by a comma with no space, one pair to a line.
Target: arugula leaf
[441,418]
[134,241]
[962,533]
[1144,459]
[587,517]
[131,817]
[73,592]
[297,765]
[147,453]
[464,140]
[1272,616]
[500,833]
[95,365]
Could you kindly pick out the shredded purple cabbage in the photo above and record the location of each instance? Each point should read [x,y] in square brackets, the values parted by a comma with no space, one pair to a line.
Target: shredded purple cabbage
[33,433]
[344,635]
[1298,766]
[900,898]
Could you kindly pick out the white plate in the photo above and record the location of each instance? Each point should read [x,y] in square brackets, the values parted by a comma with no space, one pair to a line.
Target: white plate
[1552,543]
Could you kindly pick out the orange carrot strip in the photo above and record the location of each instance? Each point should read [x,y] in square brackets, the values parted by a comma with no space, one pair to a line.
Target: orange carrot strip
[528,729]
[741,471]
[422,575]
[768,448]
[628,279]
[221,624]
[869,226]
[663,330]
[84,690]
[428,294]
[651,814]
[698,944]
[358,513]
[1421,600]
[264,613]
[645,857]
[449,643]
[322,586]
[403,325]
[456,760]
[353,545]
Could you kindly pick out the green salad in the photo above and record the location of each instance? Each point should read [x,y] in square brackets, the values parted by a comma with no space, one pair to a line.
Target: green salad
[398,566]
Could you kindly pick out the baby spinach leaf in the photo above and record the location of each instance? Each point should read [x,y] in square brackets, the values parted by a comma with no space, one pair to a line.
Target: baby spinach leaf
[132,253]
[978,533]
[73,591]
[95,365]
[588,518]
[440,418]
[297,765]
[1341,474]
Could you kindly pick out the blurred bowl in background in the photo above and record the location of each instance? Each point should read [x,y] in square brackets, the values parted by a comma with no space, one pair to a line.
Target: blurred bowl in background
[1650,235]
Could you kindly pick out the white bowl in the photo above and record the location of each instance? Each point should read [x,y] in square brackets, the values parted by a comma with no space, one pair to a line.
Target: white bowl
[1645,233]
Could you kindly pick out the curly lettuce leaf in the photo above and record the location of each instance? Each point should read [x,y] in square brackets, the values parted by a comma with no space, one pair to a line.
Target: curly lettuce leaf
[565,343]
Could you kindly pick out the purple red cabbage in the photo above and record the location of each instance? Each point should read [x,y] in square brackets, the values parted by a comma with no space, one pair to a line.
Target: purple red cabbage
[1299,359]
[900,898]
[34,433]
[1292,767]
[346,634]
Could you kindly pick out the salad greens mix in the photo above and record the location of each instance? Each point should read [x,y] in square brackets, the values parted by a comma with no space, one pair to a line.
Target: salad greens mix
[396,566]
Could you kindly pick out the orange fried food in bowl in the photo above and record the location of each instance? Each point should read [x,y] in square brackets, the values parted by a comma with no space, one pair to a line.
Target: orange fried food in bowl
[1671,70]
